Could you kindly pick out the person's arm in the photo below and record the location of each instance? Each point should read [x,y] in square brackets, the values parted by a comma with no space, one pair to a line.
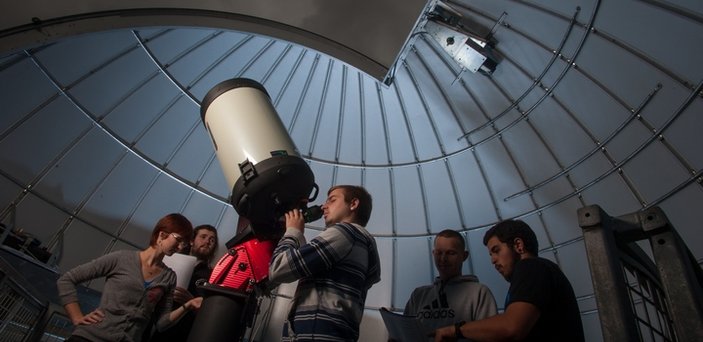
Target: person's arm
[68,281]
[179,312]
[294,259]
[513,325]
[74,313]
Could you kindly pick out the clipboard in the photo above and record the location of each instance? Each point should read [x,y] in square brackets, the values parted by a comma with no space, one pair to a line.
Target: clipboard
[403,328]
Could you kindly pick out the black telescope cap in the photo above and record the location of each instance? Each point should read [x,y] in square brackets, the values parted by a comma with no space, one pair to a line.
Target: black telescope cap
[226,86]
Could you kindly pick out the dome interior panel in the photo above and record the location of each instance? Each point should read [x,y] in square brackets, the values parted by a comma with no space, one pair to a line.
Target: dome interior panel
[418,124]
[101,132]
[531,155]
[402,149]
[328,128]
[23,90]
[442,206]
[612,194]
[380,294]
[352,118]
[345,175]
[153,206]
[302,126]
[214,182]
[114,200]
[100,92]
[647,23]
[561,133]
[683,134]
[95,149]
[628,140]
[9,191]
[162,136]
[504,179]
[617,70]
[410,202]
[237,50]
[475,198]
[375,125]
[202,209]
[58,124]
[686,222]
[513,84]
[560,223]
[75,237]
[377,182]
[412,260]
[170,44]
[655,179]
[42,227]
[515,48]
[86,53]
[193,154]
[549,193]
[132,115]
[443,115]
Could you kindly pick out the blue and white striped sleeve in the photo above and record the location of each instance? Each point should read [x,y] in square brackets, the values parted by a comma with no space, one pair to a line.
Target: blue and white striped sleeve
[294,259]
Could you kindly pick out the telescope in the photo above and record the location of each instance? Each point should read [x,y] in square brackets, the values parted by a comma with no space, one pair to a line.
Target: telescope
[267,178]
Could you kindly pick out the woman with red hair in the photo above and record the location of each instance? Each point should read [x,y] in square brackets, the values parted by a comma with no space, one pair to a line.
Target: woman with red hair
[137,285]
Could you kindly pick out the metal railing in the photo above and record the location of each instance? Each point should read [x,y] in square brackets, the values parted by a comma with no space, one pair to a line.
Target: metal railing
[641,296]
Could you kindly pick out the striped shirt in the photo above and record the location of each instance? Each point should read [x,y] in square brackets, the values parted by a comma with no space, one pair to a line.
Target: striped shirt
[335,269]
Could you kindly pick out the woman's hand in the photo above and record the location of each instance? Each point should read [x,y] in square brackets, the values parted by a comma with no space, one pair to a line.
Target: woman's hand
[181,295]
[193,304]
[95,316]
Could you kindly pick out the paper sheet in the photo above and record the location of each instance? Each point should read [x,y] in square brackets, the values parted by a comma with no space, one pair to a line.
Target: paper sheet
[183,266]
[403,328]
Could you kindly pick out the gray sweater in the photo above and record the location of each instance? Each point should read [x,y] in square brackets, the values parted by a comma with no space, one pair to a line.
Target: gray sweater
[128,301]
[461,298]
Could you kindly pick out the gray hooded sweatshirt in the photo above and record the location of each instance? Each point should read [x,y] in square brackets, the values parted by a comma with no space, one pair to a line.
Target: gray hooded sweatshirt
[461,298]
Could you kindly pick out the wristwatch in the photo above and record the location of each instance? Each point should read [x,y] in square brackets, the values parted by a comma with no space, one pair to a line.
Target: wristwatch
[457,330]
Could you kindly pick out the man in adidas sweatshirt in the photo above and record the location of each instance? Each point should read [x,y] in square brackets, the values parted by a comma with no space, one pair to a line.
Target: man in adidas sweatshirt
[453,297]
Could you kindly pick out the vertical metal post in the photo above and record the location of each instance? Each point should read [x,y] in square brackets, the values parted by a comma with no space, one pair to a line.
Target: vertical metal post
[618,322]
[678,275]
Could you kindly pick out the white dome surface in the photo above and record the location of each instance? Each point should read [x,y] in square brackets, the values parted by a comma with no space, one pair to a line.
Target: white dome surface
[100,135]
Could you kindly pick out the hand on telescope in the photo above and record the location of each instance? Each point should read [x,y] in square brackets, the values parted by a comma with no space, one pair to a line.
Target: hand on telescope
[294,219]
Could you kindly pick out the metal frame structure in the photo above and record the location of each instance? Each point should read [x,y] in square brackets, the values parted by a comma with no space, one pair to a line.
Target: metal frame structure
[642,297]
[26,312]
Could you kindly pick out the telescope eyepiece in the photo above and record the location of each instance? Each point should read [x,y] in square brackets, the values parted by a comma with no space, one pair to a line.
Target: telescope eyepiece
[312,213]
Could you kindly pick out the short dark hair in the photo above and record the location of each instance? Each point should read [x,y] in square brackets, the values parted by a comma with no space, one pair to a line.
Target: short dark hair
[509,230]
[172,223]
[363,211]
[449,233]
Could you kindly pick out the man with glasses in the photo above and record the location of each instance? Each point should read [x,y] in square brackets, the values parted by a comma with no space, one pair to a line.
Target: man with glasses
[203,247]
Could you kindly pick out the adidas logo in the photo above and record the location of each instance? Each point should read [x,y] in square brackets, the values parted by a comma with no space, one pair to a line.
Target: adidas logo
[437,310]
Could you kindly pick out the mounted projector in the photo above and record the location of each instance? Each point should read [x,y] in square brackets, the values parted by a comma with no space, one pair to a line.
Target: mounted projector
[448,28]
